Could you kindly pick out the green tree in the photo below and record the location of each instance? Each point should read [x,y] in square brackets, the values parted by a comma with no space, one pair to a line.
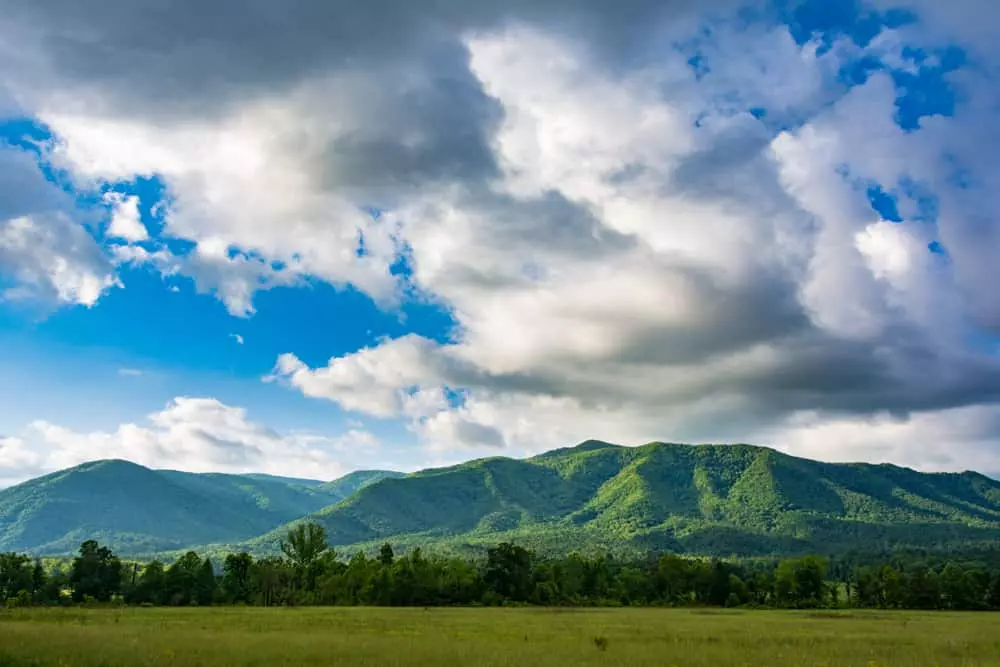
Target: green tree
[96,573]
[236,579]
[304,545]
[151,588]
[508,571]
[270,578]
[182,580]
[799,582]
[206,584]
[15,575]
[673,579]
[386,555]
[956,592]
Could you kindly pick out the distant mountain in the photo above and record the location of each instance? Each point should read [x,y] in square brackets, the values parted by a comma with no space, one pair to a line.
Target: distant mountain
[138,510]
[706,499]
[353,482]
[709,499]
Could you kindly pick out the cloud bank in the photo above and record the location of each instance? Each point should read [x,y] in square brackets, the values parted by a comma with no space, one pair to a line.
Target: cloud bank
[678,221]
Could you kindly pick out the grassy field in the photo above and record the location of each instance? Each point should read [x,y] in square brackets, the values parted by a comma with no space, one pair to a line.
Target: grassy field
[515,637]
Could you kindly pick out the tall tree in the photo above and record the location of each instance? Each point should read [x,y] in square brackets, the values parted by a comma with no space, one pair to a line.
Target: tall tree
[15,575]
[96,573]
[206,583]
[236,580]
[304,545]
[508,571]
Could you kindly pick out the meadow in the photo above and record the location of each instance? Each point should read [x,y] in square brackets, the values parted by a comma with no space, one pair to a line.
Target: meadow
[233,636]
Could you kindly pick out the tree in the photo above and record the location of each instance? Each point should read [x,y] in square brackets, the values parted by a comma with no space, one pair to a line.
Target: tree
[15,575]
[206,584]
[236,580]
[268,576]
[96,573]
[182,580]
[955,588]
[508,571]
[799,582]
[386,555]
[151,588]
[304,545]
[673,575]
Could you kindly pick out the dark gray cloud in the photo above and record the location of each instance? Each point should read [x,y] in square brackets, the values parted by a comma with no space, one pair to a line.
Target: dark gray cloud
[194,57]
[23,188]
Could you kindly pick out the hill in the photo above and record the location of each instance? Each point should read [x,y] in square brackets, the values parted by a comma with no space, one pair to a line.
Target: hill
[353,482]
[708,499]
[138,510]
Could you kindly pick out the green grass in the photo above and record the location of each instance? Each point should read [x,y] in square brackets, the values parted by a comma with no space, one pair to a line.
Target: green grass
[514,637]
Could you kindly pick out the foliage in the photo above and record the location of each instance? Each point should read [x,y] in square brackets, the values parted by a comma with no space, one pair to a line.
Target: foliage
[96,573]
[310,573]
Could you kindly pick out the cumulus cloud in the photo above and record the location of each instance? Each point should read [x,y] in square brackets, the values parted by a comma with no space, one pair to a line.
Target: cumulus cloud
[192,434]
[44,253]
[51,256]
[668,284]
[125,222]
[651,221]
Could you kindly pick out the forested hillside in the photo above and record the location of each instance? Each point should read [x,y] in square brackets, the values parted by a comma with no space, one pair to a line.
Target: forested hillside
[710,499]
[138,510]
[721,500]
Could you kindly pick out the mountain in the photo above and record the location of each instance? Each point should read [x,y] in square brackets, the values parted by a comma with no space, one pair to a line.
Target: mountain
[350,483]
[138,510]
[709,499]
[706,499]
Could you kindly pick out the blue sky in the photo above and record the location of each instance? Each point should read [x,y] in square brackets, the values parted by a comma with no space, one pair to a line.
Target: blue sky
[775,230]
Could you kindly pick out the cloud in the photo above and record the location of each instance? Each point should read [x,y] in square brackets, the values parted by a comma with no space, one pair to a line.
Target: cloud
[130,372]
[704,292]
[44,253]
[125,222]
[192,434]
[237,337]
[648,222]
[50,256]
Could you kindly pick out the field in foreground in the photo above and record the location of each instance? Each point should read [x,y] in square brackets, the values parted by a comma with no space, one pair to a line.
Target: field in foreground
[358,636]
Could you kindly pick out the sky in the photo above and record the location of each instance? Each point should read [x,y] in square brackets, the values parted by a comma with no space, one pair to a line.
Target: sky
[305,237]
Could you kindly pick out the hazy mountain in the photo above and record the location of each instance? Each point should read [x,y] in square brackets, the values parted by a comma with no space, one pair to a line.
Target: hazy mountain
[718,499]
[138,510]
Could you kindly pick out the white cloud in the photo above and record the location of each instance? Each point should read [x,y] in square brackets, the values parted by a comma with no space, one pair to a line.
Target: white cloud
[244,183]
[125,219]
[44,253]
[192,434]
[677,291]
[130,372]
[628,249]
[237,337]
[948,440]
[53,257]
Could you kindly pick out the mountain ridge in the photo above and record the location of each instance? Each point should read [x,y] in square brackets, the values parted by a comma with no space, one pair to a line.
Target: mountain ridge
[733,499]
[135,508]
[721,499]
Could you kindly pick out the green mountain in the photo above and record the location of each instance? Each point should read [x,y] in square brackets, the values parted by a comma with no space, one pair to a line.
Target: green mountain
[710,499]
[138,510]
[353,482]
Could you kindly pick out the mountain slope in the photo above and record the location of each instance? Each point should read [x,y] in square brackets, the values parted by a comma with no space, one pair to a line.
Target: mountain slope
[138,510]
[352,482]
[718,499]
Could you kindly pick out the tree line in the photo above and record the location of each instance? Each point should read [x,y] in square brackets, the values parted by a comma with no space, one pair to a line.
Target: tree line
[309,572]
